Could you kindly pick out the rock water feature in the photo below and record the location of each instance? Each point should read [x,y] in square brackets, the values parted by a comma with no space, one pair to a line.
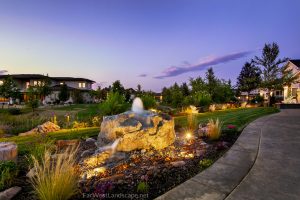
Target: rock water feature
[136,146]
[137,129]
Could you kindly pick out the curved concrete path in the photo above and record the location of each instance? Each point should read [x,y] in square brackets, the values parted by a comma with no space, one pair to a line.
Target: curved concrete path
[264,163]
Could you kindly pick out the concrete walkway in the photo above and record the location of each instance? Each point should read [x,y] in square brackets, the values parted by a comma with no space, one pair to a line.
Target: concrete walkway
[264,163]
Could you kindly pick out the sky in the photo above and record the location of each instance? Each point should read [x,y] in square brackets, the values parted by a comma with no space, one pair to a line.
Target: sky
[154,43]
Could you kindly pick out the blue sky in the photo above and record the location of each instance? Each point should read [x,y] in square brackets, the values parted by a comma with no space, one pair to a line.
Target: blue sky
[153,43]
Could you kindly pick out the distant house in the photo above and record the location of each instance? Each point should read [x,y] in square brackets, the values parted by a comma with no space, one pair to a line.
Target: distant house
[23,81]
[294,93]
[280,95]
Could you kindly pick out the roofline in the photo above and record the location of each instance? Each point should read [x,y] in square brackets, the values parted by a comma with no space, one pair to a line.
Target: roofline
[43,76]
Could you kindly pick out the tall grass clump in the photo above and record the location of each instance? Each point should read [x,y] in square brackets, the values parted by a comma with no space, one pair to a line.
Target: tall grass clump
[192,123]
[214,129]
[55,178]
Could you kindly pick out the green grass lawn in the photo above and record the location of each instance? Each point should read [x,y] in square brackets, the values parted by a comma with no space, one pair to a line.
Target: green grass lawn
[239,117]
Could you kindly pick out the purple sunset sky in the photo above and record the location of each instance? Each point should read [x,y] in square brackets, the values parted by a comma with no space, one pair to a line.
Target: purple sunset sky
[153,43]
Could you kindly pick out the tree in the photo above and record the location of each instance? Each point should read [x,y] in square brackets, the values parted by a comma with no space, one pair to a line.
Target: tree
[118,87]
[44,88]
[270,66]
[33,101]
[139,89]
[185,89]
[167,98]
[198,85]
[9,88]
[64,93]
[211,82]
[249,78]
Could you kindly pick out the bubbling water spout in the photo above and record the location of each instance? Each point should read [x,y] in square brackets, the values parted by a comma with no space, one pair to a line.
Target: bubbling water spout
[137,106]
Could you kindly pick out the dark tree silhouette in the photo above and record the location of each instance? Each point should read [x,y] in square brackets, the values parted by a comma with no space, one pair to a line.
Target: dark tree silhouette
[249,78]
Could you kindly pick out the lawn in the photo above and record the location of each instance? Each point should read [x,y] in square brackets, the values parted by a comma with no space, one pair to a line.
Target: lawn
[239,117]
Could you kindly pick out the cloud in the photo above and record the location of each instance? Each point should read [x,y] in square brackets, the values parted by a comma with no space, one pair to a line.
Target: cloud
[3,71]
[143,75]
[209,61]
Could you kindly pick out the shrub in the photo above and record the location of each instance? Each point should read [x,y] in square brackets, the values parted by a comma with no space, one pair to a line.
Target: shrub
[202,99]
[143,187]
[96,121]
[214,129]
[80,124]
[257,99]
[14,111]
[205,163]
[114,104]
[8,171]
[230,130]
[148,101]
[56,178]
[33,104]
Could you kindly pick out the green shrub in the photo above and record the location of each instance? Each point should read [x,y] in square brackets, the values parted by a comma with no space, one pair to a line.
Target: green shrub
[33,104]
[114,104]
[8,171]
[201,99]
[148,101]
[14,111]
[143,187]
[230,130]
[257,99]
[205,163]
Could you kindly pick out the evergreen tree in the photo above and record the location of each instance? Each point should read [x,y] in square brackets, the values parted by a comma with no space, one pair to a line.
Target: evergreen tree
[249,78]
[198,85]
[118,87]
[185,89]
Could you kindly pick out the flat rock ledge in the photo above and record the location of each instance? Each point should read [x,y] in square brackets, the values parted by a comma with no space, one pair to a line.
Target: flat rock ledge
[219,180]
[10,193]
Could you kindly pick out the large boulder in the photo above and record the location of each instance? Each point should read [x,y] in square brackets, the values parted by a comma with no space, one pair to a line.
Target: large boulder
[137,131]
[46,127]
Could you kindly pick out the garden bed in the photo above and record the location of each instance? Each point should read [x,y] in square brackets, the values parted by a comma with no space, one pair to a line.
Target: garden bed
[148,173]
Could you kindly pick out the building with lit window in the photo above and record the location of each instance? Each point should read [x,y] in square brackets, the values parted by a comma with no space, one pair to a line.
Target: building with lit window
[74,85]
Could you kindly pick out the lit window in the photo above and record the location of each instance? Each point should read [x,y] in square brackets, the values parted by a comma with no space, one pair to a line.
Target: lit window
[35,83]
[81,85]
[27,85]
[61,83]
[1,82]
